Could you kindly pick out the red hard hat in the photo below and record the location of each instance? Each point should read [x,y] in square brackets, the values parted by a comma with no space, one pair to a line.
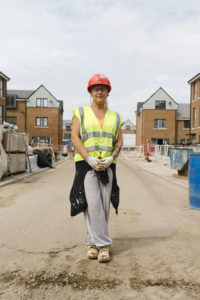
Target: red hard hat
[99,79]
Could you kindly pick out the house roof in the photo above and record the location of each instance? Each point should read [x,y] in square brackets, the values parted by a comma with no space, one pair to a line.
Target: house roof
[4,76]
[194,78]
[61,105]
[183,111]
[140,104]
[129,122]
[33,92]
[25,94]
[21,94]
[156,92]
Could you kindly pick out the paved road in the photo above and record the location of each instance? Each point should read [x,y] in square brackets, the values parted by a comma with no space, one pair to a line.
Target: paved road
[156,240]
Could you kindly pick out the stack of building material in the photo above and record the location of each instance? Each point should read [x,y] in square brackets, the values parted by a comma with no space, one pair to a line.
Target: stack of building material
[15,145]
[3,156]
[32,159]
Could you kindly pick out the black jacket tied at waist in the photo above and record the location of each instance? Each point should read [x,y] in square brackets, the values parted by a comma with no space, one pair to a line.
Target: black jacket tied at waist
[77,194]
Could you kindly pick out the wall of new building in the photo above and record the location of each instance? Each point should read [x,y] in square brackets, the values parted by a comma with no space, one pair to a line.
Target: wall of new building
[53,123]
[165,133]
[195,103]
[145,126]
[20,113]
[42,92]
[182,133]
[60,128]
[52,112]
[3,99]
[139,131]
[160,94]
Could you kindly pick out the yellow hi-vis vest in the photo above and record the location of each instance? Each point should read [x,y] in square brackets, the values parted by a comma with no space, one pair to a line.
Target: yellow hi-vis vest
[94,138]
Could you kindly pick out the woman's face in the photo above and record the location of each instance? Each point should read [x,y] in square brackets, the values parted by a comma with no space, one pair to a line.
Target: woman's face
[99,94]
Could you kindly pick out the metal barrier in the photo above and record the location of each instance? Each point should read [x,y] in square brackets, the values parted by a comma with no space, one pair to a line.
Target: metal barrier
[163,150]
[133,151]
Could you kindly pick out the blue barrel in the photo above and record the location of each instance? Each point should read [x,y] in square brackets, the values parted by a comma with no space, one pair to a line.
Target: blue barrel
[194,180]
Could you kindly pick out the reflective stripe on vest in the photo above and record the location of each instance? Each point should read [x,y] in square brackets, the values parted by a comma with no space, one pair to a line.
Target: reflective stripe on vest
[98,148]
[117,128]
[86,135]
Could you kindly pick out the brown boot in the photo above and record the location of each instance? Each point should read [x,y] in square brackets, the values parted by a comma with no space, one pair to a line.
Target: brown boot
[104,254]
[92,252]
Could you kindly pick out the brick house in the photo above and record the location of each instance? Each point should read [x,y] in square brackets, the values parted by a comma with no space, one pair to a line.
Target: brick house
[67,129]
[3,94]
[195,108]
[38,113]
[183,123]
[156,119]
[128,134]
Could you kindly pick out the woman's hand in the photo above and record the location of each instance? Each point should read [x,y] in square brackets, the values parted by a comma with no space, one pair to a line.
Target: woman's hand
[95,163]
[107,161]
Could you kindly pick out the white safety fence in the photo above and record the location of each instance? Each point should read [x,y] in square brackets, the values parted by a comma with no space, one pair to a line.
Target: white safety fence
[133,151]
[157,151]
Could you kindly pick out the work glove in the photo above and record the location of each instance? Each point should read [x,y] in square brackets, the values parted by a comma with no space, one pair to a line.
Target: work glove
[93,162]
[107,161]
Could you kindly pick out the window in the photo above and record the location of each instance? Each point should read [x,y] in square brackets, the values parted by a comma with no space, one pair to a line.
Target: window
[1,114]
[128,127]
[160,141]
[68,127]
[185,141]
[194,91]
[11,101]
[41,102]
[159,123]
[43,122]
[41,140]
[2,94]
[11,120]
[187,124]
[160,104]
[194,118]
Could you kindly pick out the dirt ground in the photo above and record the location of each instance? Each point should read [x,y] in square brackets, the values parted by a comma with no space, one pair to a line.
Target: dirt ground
[155,250]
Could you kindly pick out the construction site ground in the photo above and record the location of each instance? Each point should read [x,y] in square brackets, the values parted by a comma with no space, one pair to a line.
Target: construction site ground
[156,238]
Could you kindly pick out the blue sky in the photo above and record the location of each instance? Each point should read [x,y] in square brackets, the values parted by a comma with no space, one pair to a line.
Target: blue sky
[140,45]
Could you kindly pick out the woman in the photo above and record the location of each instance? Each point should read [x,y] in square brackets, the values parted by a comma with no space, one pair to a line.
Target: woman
[97,138]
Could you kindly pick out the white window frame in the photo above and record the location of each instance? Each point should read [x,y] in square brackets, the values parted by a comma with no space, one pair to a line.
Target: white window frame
[41,122]
[160,102]
[160,124]
[41,140]
[194,119]
[1,87]
[10,119]
[41,102]
[194,90]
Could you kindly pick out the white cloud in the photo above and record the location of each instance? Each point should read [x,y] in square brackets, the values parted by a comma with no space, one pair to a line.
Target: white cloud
[140,44]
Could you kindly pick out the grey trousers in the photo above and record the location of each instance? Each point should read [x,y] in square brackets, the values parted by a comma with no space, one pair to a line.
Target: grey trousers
[97,213]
